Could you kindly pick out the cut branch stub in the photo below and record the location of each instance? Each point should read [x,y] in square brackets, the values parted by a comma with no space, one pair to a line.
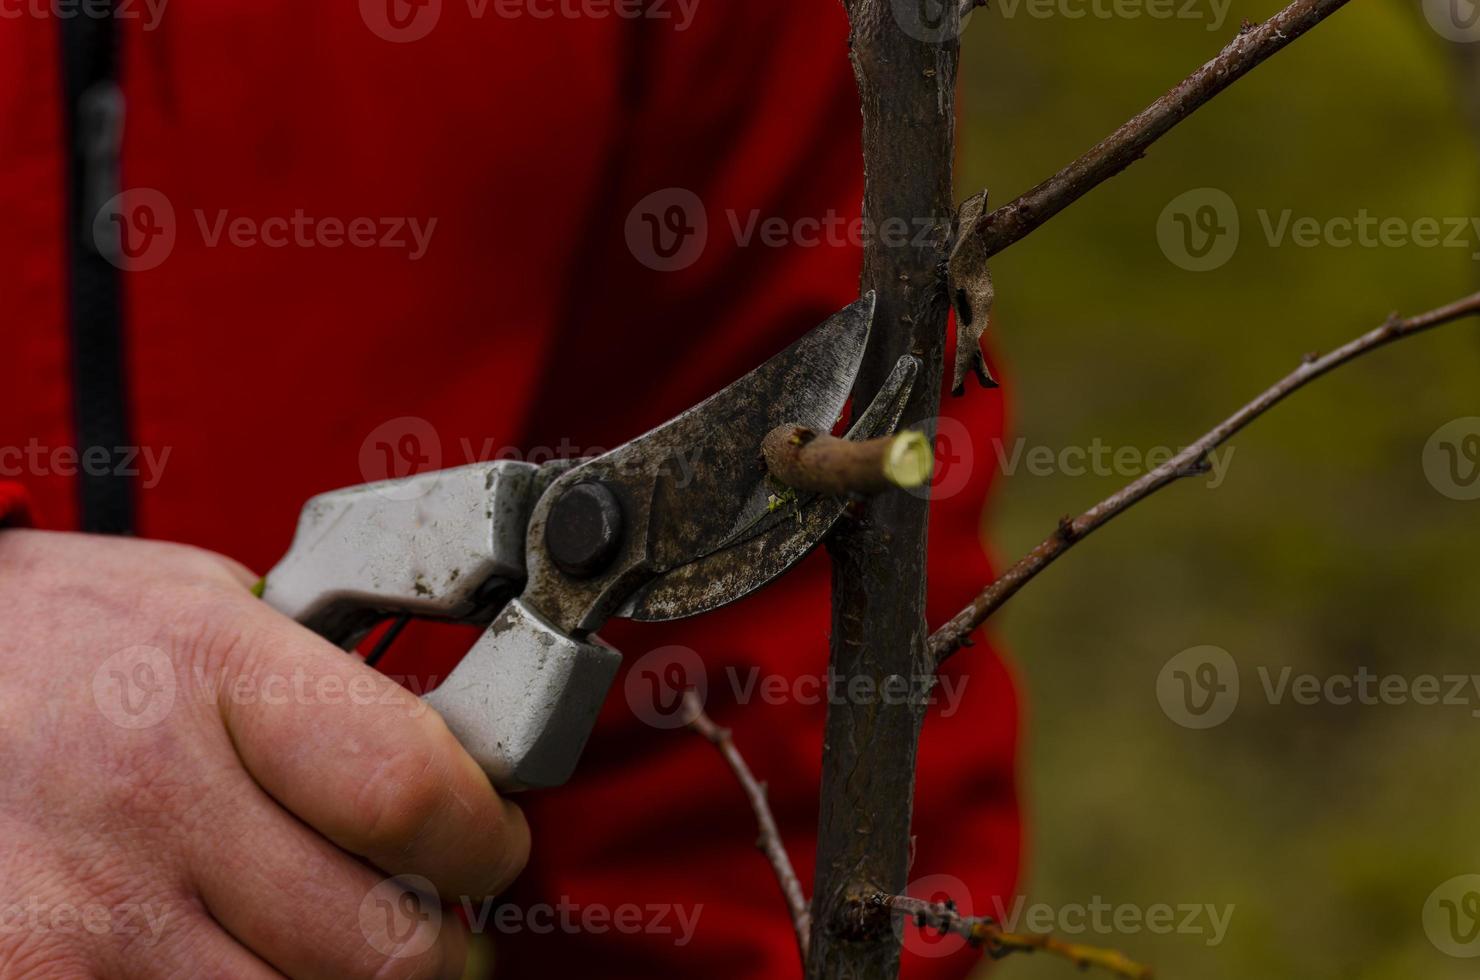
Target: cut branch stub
[813,462]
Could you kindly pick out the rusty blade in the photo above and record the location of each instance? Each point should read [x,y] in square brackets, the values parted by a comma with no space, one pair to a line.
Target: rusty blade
[687,485]
[755,556]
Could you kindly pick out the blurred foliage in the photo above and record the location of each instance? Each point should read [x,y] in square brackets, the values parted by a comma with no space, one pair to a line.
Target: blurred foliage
[1324,549]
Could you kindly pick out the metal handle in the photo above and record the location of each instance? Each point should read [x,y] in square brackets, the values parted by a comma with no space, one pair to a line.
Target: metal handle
[524,699]
[424,545]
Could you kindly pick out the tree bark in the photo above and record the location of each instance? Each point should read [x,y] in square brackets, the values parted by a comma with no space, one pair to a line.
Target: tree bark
[905,61]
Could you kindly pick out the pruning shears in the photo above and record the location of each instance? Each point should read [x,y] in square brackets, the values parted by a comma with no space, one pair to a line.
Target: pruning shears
[678,522]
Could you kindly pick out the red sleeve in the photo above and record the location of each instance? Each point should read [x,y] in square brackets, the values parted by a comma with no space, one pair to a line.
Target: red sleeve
[15,506]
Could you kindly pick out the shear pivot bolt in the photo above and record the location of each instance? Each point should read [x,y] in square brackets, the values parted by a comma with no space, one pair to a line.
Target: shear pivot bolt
[584,530]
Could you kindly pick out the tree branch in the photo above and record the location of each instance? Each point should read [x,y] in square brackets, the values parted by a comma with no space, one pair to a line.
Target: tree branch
[1129,143]
[985,932]
[769,842]
[956,633]
[904,62]
[815,462]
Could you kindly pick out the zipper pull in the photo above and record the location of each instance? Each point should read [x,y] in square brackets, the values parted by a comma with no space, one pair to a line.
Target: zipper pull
[100,116]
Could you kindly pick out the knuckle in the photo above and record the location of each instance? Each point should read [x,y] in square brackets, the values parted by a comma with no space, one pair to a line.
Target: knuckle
[206,623]
[402,798]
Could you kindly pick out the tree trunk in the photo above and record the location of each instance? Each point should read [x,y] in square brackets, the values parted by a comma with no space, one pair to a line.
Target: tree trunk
[904,56]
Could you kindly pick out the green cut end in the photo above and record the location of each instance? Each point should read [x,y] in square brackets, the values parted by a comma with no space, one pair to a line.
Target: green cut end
[910,461]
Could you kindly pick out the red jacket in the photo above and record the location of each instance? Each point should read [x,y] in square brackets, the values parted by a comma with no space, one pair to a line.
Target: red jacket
[260,355]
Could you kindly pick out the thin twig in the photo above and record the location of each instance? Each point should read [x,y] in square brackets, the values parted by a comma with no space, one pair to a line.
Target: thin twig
[769,841]
[955,634]
[801,459]
[986,933]
[1128,144]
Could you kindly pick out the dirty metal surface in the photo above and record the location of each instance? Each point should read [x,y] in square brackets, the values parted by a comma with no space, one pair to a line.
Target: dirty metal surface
[685,487]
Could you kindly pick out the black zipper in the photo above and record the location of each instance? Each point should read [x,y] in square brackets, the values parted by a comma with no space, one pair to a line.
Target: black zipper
[92,128]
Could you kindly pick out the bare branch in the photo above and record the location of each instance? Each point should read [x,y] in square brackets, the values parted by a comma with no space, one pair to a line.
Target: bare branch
[802,459]
[986,933]
[904,61]
[954,634]
[769,842]
[1129,143]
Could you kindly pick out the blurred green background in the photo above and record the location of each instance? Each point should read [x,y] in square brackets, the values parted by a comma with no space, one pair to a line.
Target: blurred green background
[1324,549]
